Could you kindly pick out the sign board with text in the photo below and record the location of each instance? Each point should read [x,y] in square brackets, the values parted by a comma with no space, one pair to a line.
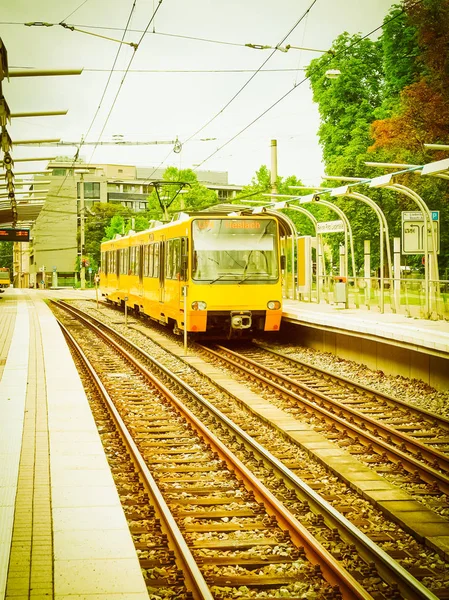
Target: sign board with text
[14,235]
[330,227]
[413,232]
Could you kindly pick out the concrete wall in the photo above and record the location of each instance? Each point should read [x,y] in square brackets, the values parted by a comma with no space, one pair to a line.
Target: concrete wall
[378,356]
[55,231]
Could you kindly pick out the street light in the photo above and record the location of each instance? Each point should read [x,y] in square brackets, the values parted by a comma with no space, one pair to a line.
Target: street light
[81,173]
[332,74]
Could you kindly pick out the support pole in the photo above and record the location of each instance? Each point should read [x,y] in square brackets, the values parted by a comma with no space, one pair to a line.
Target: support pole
[184,289]
[367,270]
[274,166]
[397,271]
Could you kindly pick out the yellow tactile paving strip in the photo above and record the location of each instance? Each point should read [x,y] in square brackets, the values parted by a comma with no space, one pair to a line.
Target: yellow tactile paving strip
[7,320]
[13,386]
[31,560]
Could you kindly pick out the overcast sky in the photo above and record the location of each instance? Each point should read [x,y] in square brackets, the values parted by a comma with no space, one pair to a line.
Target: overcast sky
[163,105]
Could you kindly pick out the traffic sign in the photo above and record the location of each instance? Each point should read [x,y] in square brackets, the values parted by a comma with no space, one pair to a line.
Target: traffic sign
[413,232]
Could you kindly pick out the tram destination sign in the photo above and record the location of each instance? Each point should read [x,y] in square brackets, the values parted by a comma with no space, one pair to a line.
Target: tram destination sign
[413,232]
[14,235]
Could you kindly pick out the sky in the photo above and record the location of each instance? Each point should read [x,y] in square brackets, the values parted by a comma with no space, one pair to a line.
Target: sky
[175,83]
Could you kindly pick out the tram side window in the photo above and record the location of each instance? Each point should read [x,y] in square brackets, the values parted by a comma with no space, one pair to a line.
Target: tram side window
[156,261]
[184,253]
[132,260]
[151,260]
[146,250]
[173,259]
[104,262]
[137,260]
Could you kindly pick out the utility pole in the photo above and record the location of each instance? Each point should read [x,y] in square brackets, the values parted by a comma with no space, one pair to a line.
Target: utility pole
[81,173]
[274,166]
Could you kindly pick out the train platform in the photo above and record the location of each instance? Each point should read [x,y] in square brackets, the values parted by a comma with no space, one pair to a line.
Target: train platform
[63,533]
[389,342]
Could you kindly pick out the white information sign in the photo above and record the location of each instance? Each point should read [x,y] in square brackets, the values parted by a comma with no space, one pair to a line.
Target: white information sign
[330,227]
[413,232]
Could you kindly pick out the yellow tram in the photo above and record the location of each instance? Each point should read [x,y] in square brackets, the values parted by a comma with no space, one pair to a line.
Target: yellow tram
[223,270]
[5,279]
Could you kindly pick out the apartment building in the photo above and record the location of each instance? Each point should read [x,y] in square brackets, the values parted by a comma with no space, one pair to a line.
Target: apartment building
[54,238]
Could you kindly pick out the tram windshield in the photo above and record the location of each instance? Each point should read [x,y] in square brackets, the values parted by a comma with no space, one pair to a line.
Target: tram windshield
[235,250]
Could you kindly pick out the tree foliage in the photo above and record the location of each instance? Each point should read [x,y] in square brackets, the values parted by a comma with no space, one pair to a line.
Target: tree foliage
[6,255]
[391,98]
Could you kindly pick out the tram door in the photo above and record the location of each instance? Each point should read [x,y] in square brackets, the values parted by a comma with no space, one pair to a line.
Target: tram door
[161,270]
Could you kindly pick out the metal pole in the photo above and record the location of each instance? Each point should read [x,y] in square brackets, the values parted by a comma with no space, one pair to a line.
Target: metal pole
[397,271]
[381,260]
[427,221]
[96,289]
[126,311]
[318,266]
[384,234]
[185,320]
[82,267]
[274,166]
[367,271]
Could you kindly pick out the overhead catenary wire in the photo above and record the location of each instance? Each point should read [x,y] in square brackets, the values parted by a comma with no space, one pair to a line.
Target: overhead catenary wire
[296,85]
[253,75]
[76,10]
[126,73]
[102,97]
[242,88]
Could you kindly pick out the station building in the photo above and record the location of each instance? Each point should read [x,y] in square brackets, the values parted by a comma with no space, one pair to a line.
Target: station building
[54,244]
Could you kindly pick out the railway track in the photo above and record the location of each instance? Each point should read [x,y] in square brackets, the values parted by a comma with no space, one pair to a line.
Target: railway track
[242,539]
[378,422]
[407,585]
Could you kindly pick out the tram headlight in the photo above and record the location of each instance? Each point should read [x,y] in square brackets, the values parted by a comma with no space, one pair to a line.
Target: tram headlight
[273,305]
[199,305]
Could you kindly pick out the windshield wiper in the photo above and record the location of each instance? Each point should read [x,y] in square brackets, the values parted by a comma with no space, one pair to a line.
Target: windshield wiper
[265,275]
[221,277]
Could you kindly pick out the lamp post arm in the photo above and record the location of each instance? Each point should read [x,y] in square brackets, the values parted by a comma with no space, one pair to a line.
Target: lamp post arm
[426,212]
[348,231]
[382,219]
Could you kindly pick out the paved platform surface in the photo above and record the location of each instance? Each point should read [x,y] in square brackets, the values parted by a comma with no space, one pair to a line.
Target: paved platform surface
[63,533]
[417,334]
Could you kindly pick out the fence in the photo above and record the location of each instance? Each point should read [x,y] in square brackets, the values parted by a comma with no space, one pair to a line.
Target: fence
[405,296]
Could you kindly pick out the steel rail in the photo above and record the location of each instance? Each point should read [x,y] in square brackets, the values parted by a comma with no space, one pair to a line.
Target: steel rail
[337,379]
[392,571]
[427,473]
[194,579]
[331,569]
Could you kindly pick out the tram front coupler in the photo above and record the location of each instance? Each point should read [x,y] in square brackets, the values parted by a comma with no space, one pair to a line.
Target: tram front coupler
[241,319]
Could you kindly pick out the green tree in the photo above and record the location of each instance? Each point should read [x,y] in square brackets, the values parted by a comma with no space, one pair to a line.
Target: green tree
[6,255]
[347,104]
[98,219]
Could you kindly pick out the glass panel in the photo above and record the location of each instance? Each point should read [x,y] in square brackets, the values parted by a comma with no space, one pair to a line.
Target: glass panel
[150,261]
[243,250]
[156,261]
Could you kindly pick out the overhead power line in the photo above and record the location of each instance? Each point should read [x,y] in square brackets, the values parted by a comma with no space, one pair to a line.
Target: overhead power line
[254,74]
[344,51]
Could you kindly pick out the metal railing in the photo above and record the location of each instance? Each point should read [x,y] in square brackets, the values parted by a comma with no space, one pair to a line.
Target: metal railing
[403,296]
